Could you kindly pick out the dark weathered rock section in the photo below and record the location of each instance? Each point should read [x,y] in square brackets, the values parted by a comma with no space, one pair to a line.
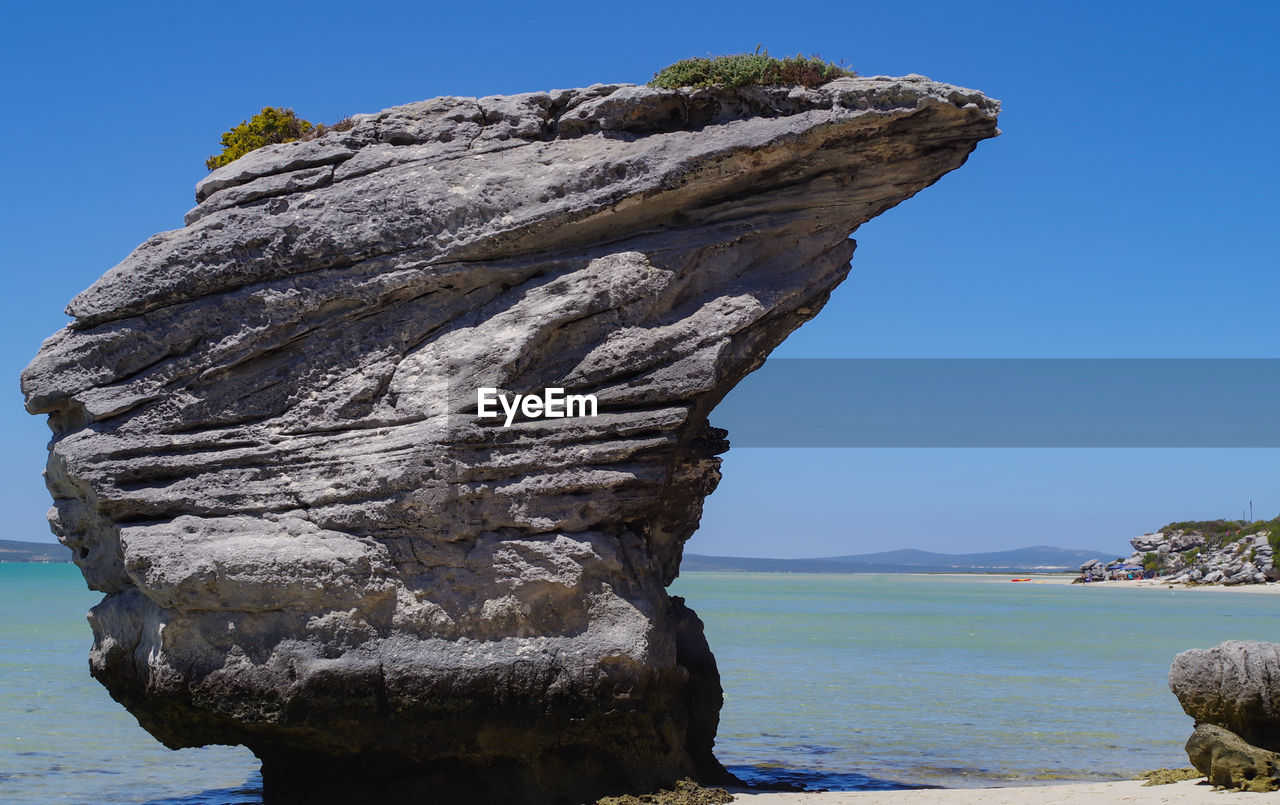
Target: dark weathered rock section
[1228,761]
[266,450]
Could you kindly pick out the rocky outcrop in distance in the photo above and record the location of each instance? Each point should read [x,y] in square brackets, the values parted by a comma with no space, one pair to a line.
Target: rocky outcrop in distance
[268,450]
[1232,692]
[1198,556]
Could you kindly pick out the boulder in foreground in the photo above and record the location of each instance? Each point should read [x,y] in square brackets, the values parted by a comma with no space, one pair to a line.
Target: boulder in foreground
[1229,762]
[1234,685]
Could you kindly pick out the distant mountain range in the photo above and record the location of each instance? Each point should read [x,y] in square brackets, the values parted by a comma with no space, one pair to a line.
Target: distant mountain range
[1037,559]
[12,550]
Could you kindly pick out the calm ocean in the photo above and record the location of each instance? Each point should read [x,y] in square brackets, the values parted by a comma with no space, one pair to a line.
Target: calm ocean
[838,681]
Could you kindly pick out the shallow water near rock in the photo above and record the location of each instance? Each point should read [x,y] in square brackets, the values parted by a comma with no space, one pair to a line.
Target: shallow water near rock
[63,739]
[831,681]
[955,681]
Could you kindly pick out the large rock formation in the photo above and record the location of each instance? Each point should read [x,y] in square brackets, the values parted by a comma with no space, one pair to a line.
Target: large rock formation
[1233,692]
[267,451]
[1189,555]
[1235,685]
[1227,761]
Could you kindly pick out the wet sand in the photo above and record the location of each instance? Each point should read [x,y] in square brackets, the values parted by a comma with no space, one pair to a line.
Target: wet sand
[1129,791]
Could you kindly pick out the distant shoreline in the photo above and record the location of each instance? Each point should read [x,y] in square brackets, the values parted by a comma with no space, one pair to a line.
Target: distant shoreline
[1036,559]
[35,562]
[1068,575]
[1144,584]
[14,551]
[1065,579]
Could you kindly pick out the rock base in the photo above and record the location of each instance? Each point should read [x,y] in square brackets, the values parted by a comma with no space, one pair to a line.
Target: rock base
[1229,762]
[311,780]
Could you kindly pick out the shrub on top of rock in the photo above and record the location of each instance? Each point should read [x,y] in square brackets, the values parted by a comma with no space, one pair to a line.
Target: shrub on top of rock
[269,126]
[749,69]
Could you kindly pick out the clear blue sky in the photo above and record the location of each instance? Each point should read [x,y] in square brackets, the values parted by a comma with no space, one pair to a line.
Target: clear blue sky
[1129,210]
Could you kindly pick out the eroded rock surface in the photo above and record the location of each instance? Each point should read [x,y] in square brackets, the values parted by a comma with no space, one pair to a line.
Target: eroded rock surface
[266,450]
[1234,685]
[1229,762]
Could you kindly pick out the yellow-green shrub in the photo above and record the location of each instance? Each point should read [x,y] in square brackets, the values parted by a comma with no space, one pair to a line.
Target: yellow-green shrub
[271,125]
[748,69]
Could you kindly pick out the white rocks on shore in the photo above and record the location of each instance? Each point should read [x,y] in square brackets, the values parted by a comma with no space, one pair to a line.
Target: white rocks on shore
[1184,556]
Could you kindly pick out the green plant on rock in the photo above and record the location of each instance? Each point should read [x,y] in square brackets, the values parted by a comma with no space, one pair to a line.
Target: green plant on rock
[269,126]
[1271,528]
[749,69]
[1152,562]
[320,129]
[1213,530]
[1273,538]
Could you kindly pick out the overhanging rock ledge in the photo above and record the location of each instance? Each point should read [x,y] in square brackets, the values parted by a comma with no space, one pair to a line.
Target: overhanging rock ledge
[266,451]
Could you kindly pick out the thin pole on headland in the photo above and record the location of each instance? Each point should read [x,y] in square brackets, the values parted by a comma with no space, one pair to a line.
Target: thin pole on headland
[1251,511]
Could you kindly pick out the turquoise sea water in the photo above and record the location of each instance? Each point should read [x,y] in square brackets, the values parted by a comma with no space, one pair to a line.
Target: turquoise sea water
[956,681]
[62,738]
[834,680]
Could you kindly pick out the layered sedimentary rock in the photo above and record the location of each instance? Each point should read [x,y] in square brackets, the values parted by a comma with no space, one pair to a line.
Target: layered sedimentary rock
[267,449]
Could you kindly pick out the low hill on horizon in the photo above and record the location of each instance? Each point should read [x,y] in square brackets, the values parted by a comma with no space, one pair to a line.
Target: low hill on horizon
[13,550]
[1038,558]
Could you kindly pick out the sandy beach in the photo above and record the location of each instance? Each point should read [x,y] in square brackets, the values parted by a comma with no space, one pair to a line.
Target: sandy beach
[1153,584]
[1156,584]
[1129,791]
